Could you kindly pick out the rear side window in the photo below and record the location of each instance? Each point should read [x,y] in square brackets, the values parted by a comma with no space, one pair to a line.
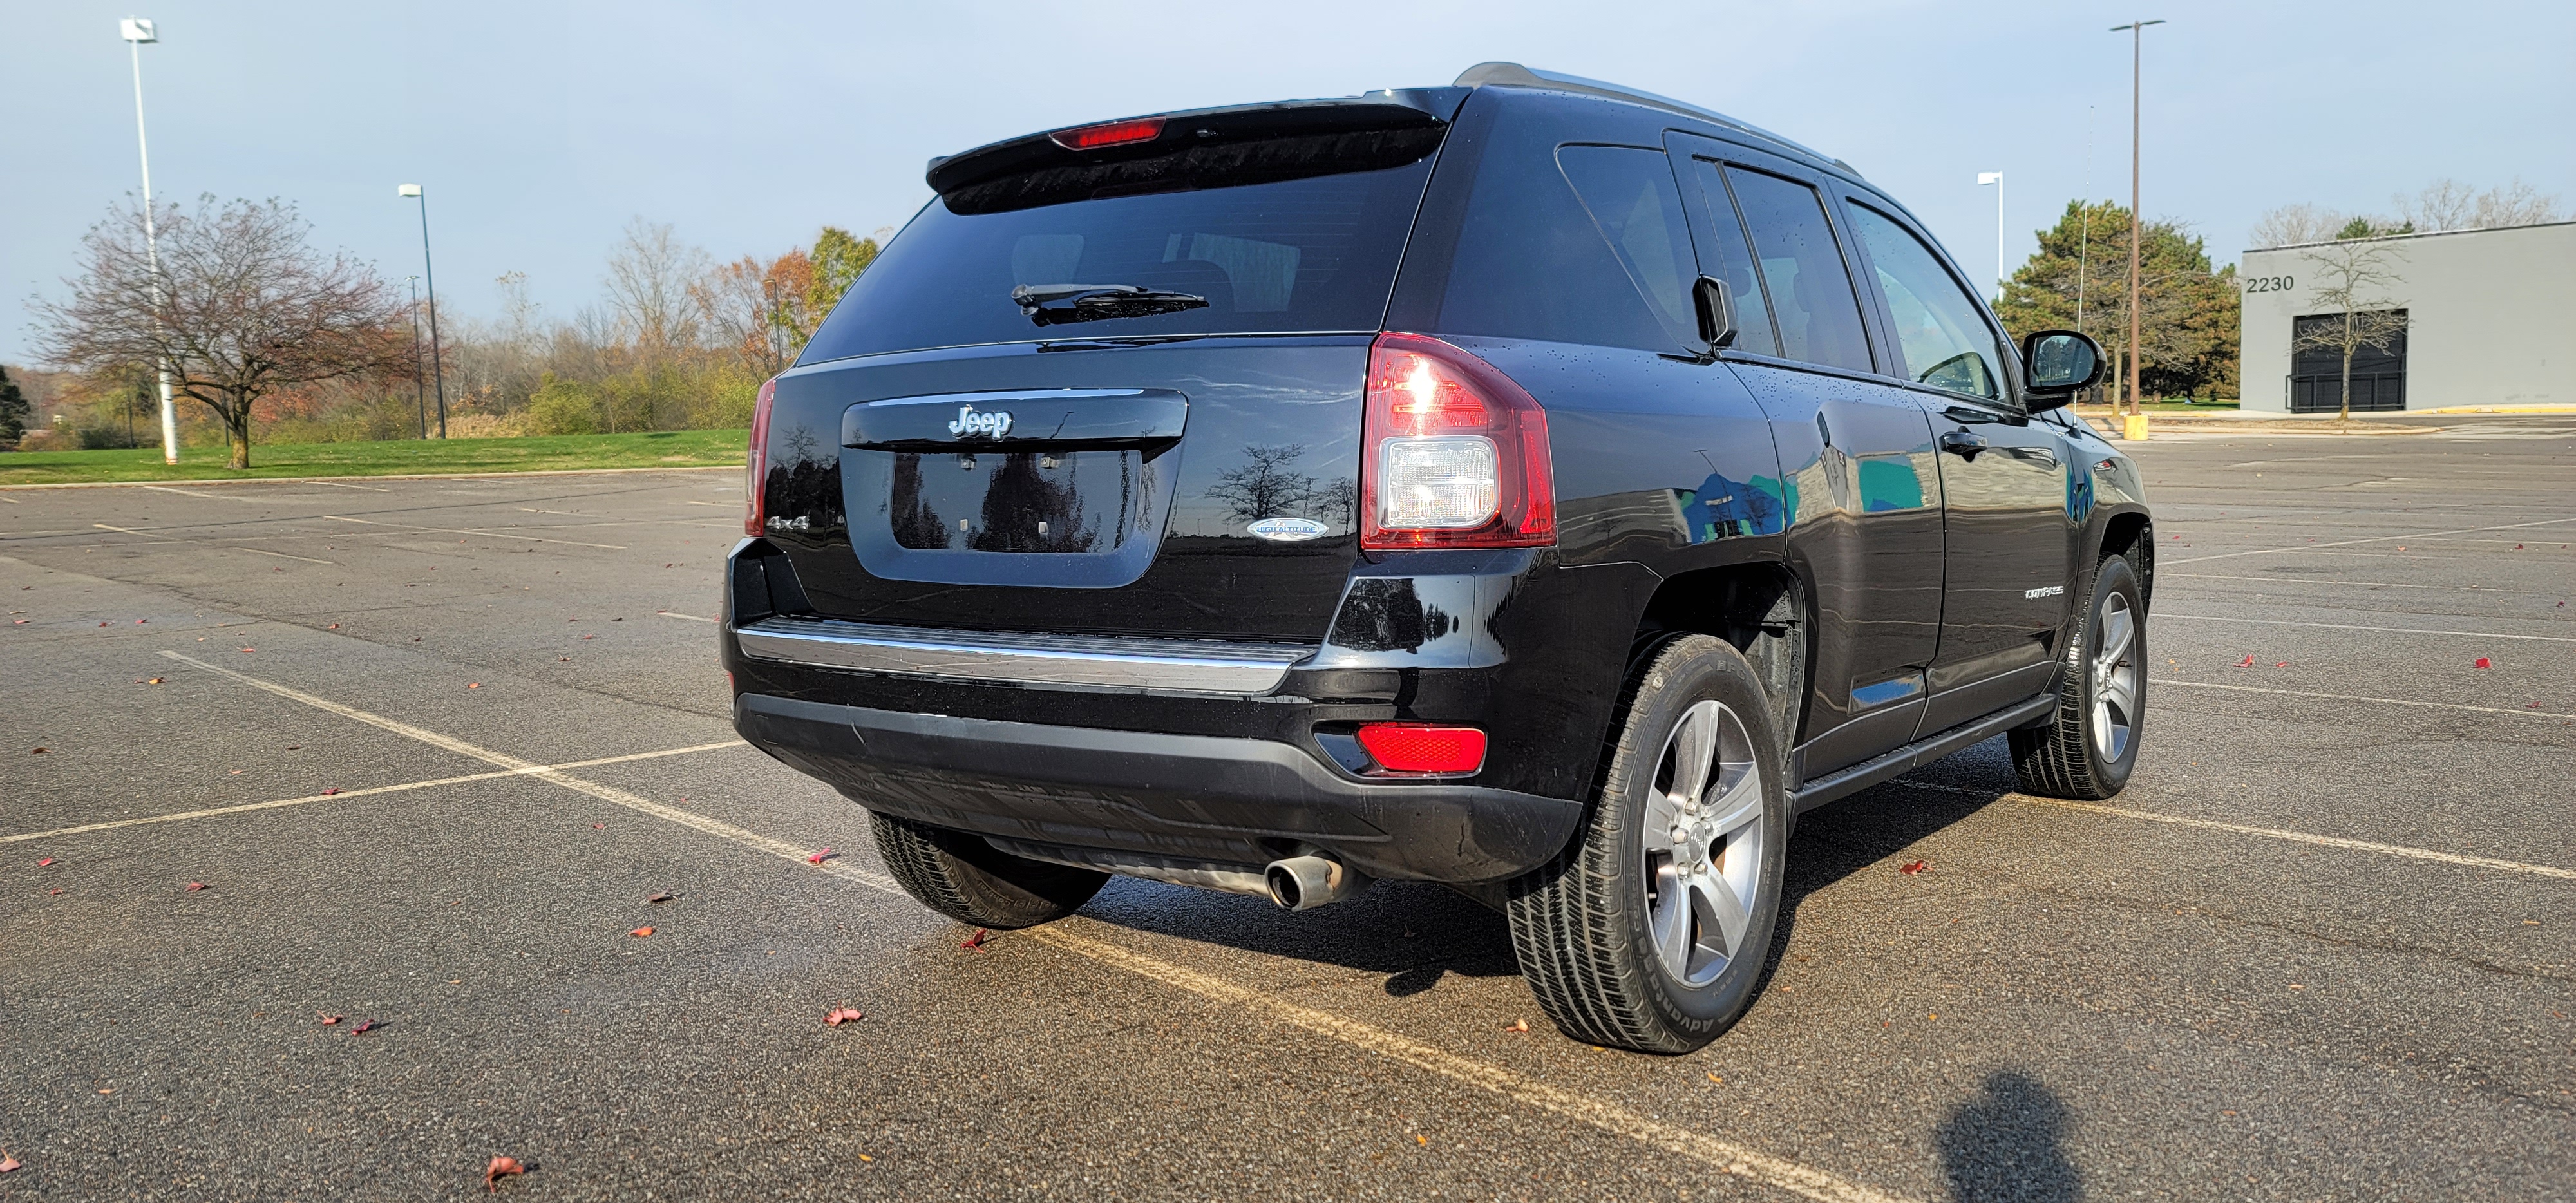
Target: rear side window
[1940,335]
[1734,264]
[1802,270]
[1300,255]
[1573,254]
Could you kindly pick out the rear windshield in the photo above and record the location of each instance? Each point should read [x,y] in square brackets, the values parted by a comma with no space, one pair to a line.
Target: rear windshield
[1300,255]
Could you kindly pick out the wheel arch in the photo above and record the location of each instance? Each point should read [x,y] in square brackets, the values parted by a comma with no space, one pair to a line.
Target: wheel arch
[1760,609]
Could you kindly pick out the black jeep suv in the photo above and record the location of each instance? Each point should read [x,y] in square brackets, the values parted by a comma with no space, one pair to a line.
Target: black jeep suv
[1529,485]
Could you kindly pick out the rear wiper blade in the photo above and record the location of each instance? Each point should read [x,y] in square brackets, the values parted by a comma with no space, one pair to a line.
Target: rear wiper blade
[1055,304]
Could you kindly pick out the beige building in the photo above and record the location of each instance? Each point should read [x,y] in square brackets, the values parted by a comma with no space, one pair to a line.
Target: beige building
[2489,321]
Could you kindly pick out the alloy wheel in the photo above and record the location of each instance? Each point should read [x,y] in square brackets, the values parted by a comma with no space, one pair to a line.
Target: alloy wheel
[2115,679]
[1703,836]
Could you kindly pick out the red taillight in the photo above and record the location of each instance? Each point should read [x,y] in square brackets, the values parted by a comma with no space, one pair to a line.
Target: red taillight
[1452,452]
[1111,133]
[756,467]
[1423,747]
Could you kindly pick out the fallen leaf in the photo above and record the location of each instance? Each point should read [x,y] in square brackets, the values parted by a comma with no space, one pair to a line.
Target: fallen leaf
[46,861]
[659,898]
[332,790]
[140,621]
[33,751]
[333,627]
[601,826]
[865,1157]
[250,649]
[641,932]
[2482,663]
[1714,1078]
[1517,1025]
[820,857]
[841,1016]
[1912,867]
[329,1019]
[501,1167]
[2248,662]
[57,893]
[195,886]
[2283,664]
[474,685]
[1422,1140]
[102,624]
[977,940]
[153,681]
[365,1025]
[10,1165]
[107,1090]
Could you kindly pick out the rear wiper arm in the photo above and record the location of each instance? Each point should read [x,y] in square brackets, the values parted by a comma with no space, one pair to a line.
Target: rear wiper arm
[1055,304]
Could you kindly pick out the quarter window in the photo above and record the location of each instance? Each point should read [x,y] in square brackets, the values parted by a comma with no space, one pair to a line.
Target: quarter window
[1940,333]
[1802,271]
[1631,197]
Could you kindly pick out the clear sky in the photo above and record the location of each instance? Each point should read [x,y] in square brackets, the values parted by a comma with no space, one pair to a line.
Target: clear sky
[540,127]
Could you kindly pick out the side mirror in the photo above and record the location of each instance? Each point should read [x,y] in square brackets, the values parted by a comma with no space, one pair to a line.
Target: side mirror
[2058,364]
[1716,312]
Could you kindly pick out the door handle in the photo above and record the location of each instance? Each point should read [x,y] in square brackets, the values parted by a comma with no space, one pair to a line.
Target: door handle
[1963,444]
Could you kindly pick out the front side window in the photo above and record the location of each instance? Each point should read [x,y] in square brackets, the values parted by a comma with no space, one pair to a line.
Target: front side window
[1802,270]
[1943,339]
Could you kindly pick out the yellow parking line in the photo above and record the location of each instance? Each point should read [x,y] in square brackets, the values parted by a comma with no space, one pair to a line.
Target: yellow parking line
[346,794]
[1722,1155]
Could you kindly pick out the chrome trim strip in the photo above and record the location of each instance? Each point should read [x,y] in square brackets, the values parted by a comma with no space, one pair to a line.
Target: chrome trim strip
[1177,665]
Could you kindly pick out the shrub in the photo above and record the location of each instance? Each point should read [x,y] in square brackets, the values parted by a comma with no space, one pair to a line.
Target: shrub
[562,407]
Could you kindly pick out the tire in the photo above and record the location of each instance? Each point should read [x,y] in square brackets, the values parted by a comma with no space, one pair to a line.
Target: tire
[2088,748]
[966,879]
[1586,927]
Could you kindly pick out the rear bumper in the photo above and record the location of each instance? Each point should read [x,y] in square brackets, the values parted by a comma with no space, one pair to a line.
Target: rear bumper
[1217,799]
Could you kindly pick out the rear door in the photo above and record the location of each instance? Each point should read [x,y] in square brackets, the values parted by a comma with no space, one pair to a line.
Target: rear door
[1863,495]
[2012,512]
[1115,395]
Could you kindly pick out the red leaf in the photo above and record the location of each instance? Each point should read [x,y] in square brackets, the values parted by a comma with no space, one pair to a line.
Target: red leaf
[2283,664]
[328,1018]
[474,685]
[2248,662]
[333,627]
[250,649]
[977,940]
[820,857]
[1517,1025]
[841,1016]
[195,886]
[331,790]
[502,1167]
[42,863]
[1912,867]
[365,1025]
[641,932]
[659,898]
[9,1164]
[2482,663]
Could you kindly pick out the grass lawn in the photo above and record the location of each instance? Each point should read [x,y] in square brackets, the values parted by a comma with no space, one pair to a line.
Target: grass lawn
[659,449]
[2168,407]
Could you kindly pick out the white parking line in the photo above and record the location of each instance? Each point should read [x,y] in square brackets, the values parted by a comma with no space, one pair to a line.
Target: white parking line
[2430,534]
[2346,697]
[346,794]
[2321,580]
[145,534]
[488,534]
[1722,1155]
[2340,626]
[677,614]
[2296,837]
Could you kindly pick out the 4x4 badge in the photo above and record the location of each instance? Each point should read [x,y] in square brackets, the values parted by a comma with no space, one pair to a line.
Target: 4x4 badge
[995,424]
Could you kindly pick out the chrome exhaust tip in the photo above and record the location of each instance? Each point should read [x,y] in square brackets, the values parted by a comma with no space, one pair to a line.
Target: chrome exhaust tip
[1302,883]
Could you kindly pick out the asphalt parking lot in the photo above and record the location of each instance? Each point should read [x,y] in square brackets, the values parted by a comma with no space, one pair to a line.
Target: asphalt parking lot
[430,747]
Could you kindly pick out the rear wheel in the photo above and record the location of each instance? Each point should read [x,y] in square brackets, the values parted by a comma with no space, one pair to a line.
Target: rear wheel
[1651,933]
[966,879]
[2089,746]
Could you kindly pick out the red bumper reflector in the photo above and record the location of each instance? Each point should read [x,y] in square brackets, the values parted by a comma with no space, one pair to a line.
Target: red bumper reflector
[1113,133]
[1424,748]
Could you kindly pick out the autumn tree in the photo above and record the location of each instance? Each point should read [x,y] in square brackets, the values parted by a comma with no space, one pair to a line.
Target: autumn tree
[2353,282]
[2079,280]
[839,258]
[762,312]
[243,308]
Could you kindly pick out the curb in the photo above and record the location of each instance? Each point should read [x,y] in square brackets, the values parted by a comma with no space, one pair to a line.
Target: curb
[307,480]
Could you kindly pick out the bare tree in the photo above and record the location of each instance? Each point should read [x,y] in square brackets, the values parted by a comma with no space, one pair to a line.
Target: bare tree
[2354,279]
[245,308]
[1266,484]
[2291,225]
[648,282]
[2451,205]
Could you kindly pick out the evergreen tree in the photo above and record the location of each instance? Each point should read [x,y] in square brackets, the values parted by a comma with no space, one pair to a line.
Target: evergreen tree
[838,259]
[2188,312]
[13,409]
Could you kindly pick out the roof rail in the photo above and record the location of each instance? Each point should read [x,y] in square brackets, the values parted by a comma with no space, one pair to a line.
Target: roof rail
[1514,75]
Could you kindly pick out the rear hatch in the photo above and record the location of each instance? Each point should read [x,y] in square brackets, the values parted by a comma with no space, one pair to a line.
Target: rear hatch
[1110,381]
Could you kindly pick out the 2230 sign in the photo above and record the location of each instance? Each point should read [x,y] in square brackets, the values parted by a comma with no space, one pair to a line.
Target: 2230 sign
[2269,284]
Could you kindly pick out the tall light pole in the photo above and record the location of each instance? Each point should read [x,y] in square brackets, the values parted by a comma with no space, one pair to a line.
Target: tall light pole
[437,364]
[1996,178]
[2137,38]
[137,31]
[419,392]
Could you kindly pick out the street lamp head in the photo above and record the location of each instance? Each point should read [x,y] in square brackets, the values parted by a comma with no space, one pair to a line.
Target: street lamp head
[407,190]
[1989,177]
[2136,25]
[136,29]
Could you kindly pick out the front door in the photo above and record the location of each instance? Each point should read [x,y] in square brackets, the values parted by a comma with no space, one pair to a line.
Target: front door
[2010,511]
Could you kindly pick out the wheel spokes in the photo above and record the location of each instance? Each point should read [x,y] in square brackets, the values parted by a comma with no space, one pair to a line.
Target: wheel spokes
[1721,913]
[2119,630]
[1693,753]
